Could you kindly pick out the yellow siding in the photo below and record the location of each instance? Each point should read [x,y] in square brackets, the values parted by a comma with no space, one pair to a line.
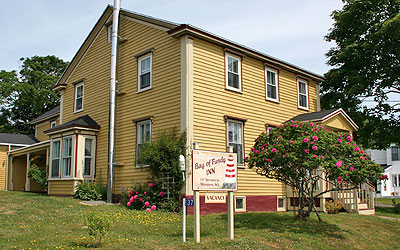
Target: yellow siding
[3,167]
[338,122]
[64,187]
[212,101]
[162,102]
[41,127]
[19,173]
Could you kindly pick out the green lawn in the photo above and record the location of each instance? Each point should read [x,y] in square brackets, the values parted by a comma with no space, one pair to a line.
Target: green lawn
[387,201]
[34,221]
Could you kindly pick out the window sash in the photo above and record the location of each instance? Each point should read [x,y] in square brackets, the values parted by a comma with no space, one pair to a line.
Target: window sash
[55,159]
[79,97]
[145,71]
[88,157]
[272,84]
[67,156]
[143,135]
[395,153]
[235,139]
[233,72]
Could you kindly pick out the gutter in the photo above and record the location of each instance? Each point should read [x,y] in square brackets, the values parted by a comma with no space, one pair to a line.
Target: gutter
[114,43]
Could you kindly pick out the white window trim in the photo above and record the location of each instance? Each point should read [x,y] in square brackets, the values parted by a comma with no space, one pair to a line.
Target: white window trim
[51,161]
[244,204]
[227,137]
[281,209]
[137,139]
[227,55]
[391,153]
[93,138]
[266,85]
[83,96]
[150,55]
[53,122]
[298,94]
[72,157]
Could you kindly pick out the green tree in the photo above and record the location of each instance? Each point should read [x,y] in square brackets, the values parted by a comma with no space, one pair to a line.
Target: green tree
[365,78]
[302,154]
[26,94]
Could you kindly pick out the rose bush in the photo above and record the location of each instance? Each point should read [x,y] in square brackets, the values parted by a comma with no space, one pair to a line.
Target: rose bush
[300,154]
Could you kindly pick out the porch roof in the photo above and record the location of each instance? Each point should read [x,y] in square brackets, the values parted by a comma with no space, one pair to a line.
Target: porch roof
[31,148]
[17,139]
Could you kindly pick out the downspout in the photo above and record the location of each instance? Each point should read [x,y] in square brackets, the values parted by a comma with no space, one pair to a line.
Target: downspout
[8,160]
[114,41]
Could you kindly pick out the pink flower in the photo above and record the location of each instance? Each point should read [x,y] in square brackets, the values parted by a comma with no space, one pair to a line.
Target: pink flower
[140,199]
[147,203]
[305,140]
[306,151]
[321,157]
[252,149]
[151,185]
[153,207]
[351,168]
[357,149]
[339,179]
[148,210]
[339,163]
[339,140]
[131,199]
[144,192]
[347,174]
[349,138]
[314,148]
[286,155]
[273,150]
[291,142]
[362,157]
[119,204]
[147,181]
[137,192]
[348,143]
[131,192]
[311,124]
[129,204]
[295,125]
[257,152]
[262,149]
[162,194]
[263,159]
[315,138]
[315,156]
[268,160]
[311,142]
[135,197]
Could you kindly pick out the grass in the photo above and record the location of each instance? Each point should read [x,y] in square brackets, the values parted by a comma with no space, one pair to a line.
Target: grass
[387,201]
[37,221]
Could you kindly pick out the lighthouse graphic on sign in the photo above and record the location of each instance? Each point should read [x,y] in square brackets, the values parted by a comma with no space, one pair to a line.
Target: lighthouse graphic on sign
[230,174]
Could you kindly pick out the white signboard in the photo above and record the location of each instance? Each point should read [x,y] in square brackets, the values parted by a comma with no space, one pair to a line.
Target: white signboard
[214,171]
[215,198]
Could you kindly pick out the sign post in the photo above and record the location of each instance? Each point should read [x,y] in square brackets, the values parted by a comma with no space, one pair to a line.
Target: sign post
[186,203]
[213,171]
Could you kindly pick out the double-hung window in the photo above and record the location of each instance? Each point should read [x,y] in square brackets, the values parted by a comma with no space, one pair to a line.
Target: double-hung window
[67,156]
[235,139]
[79,92]
[271,78]
[302,93]
[143,135]
[233,72]
[109,33]
[53,124]
[395,154]
[145,72]
[55,159]
[88,157]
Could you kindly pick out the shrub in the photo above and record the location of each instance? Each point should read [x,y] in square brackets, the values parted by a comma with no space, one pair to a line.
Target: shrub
[88,190]
[98,224]
[38,175]
[143,197]
[170,206]
[162,155]
[333,207]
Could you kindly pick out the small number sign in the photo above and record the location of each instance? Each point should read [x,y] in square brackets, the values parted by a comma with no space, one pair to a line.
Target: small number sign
[189,202]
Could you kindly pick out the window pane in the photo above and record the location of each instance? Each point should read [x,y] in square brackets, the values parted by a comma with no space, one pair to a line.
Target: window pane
[67,166]
[302,87]
[235,140]
[88,147]
[145,80]
[88,167]
[395,153]
[67,153]
[145,65]
[271,78]
[79,91]
[239,203]
[55,167]
[281,203]
[78,104]
[233,80]
[302,100]
[271,91]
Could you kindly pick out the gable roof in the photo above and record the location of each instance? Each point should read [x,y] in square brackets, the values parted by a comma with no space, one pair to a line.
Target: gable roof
[17,139]
[324,115]
[49,114]
[176,30]
[80,122]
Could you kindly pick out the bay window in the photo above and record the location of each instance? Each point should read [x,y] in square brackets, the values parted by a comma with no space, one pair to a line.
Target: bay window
[88,157]
[55,159]
[67,156]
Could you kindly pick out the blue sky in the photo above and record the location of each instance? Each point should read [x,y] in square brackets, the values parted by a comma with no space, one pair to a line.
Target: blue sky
[291,30]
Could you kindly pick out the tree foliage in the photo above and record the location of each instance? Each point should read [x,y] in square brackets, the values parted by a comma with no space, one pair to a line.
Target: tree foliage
[302,154]
[27,94]
[365,78]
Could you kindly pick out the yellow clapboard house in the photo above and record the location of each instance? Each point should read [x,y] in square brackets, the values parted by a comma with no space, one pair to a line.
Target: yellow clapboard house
[170,75]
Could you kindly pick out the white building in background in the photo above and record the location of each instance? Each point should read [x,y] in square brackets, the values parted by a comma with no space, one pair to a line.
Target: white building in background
[389,159]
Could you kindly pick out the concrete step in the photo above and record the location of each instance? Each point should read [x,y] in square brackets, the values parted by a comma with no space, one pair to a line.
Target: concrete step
[367,211]
[362,205]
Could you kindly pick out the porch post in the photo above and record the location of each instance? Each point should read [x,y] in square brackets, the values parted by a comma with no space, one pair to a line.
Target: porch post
[11,177]
[28,166]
